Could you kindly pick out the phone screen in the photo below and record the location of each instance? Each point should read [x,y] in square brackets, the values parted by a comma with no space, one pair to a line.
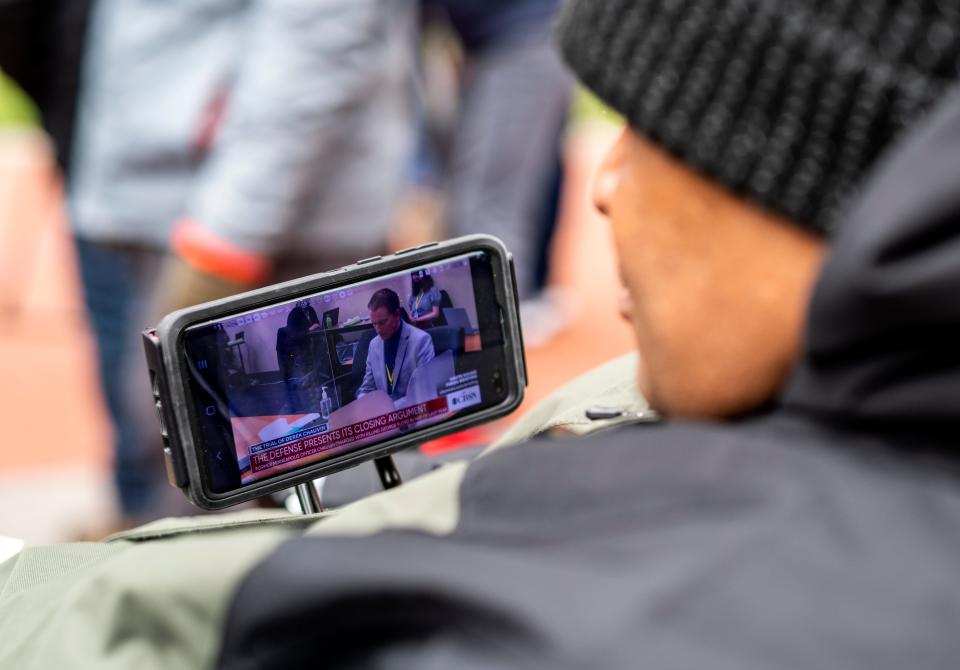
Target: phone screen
[327,374]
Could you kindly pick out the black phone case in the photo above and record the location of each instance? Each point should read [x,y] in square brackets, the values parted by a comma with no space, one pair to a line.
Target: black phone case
[185,461]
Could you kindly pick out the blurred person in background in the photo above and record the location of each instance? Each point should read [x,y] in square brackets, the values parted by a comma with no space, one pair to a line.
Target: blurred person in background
[495,163]
[223,145]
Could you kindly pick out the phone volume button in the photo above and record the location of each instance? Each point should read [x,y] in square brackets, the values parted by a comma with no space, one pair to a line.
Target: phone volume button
[369,260]
[163,427]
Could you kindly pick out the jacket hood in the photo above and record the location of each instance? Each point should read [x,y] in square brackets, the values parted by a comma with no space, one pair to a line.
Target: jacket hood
[883,331]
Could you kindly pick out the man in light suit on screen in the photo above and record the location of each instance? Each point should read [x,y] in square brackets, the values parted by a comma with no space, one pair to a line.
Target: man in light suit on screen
[396,352]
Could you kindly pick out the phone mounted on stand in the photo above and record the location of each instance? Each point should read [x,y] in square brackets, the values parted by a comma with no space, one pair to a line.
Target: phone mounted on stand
[276,387]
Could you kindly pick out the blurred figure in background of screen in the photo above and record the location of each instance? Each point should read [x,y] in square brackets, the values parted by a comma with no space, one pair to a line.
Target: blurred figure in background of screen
[303,364]
[424,302]
[222,145]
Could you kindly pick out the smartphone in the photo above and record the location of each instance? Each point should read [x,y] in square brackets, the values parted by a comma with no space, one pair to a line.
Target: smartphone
[275,387]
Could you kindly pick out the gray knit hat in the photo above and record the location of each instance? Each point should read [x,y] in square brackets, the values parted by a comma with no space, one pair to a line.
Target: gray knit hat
[785,101]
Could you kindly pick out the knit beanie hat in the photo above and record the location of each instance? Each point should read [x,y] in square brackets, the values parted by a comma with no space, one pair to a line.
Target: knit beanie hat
[787,102]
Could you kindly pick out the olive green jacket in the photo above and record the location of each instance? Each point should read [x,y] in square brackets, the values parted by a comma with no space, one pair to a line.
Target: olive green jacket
[156,596]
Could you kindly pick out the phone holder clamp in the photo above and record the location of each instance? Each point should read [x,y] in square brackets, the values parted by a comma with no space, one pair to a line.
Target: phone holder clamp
[309,498]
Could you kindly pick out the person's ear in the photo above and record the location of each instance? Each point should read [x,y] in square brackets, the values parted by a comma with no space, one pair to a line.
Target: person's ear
[607,178]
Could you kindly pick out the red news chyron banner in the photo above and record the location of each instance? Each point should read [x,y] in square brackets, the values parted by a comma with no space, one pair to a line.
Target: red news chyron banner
[361,430]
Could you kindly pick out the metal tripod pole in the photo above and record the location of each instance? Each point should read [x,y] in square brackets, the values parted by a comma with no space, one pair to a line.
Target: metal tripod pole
[387,470]
[309,499]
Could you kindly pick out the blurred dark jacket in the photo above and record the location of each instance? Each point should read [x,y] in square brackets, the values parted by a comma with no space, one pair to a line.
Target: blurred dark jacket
[482,23]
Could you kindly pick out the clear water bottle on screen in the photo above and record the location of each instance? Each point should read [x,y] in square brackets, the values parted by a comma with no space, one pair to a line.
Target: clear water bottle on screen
[326,404]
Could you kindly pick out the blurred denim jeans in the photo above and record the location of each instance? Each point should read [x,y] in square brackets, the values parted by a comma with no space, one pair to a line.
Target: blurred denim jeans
[117,282]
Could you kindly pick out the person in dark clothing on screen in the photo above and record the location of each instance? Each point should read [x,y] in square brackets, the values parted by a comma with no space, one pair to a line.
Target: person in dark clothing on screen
[302,361]
[793,285]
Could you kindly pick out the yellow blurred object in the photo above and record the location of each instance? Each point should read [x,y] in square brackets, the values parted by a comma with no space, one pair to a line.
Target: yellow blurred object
[16,109]
[588,108]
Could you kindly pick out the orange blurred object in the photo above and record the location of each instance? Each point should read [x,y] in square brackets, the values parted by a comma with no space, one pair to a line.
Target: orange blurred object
[50,408]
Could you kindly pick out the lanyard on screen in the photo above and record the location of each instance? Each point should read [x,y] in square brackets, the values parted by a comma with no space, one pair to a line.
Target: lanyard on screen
[395,373]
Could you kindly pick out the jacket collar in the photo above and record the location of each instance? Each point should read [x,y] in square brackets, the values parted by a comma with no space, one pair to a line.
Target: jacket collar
[883,333]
